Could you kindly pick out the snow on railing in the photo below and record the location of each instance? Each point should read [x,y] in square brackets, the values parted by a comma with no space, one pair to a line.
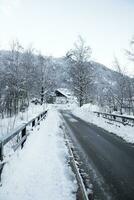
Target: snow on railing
[125,120]
[86,190]
[20,135]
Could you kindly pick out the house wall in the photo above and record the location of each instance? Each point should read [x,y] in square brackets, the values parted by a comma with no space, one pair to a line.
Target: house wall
[61,100]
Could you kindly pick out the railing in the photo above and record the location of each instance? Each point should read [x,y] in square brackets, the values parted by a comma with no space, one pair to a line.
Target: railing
[125,120]
[20,134]
[84,187]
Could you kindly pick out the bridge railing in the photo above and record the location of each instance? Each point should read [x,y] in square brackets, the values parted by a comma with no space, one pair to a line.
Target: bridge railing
[20,135]
[125,120]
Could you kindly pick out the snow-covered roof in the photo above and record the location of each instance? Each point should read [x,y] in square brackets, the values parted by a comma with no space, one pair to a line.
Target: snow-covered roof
[66,92]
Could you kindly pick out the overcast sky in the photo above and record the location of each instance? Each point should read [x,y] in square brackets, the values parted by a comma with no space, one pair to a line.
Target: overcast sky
[52,26]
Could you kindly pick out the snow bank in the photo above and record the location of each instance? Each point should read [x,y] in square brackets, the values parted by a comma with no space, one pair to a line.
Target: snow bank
[40,170]
[89,107]
[85,113]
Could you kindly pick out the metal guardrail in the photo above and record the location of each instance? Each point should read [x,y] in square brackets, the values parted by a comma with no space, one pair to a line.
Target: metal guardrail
[21,132]
[125,120]
[86,192]
[78,175]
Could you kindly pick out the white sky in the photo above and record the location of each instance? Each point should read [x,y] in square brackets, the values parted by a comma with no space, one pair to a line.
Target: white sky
[52,26]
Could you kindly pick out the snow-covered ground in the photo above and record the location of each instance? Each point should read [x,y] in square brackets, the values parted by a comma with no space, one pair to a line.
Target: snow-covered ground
[86,113]
[67,106]
[40,170]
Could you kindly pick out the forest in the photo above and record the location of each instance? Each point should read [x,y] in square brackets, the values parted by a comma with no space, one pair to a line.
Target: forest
[24,72]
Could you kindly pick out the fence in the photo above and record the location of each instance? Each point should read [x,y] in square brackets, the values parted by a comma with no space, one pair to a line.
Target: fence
[125,120]
[20,134]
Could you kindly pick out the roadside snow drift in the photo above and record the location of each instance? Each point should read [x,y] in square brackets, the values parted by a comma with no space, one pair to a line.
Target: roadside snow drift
[86,113]
[40,170]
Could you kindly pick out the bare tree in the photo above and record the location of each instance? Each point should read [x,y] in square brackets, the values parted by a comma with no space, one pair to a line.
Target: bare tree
[13,77]
[29,71]
[130,82]
[130,52]
[80,70]
[47,74]
[122,93]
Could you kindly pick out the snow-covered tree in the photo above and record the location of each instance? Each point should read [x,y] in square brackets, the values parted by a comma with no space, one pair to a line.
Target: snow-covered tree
[14,82]
[47,74]
[80,70]
[122,93]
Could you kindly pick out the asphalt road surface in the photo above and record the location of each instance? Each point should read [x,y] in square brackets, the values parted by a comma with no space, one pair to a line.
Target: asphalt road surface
[107,159]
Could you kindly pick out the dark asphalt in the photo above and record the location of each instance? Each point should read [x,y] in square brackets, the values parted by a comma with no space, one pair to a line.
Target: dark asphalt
[108,159]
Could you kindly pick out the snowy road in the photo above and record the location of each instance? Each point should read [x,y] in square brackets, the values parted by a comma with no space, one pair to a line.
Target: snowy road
[107,158]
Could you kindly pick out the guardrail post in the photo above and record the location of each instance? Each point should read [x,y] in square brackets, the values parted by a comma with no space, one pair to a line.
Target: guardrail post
[124,121]
[1,151]
[33,123]
[23,133]
[1,159]
[38,120]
